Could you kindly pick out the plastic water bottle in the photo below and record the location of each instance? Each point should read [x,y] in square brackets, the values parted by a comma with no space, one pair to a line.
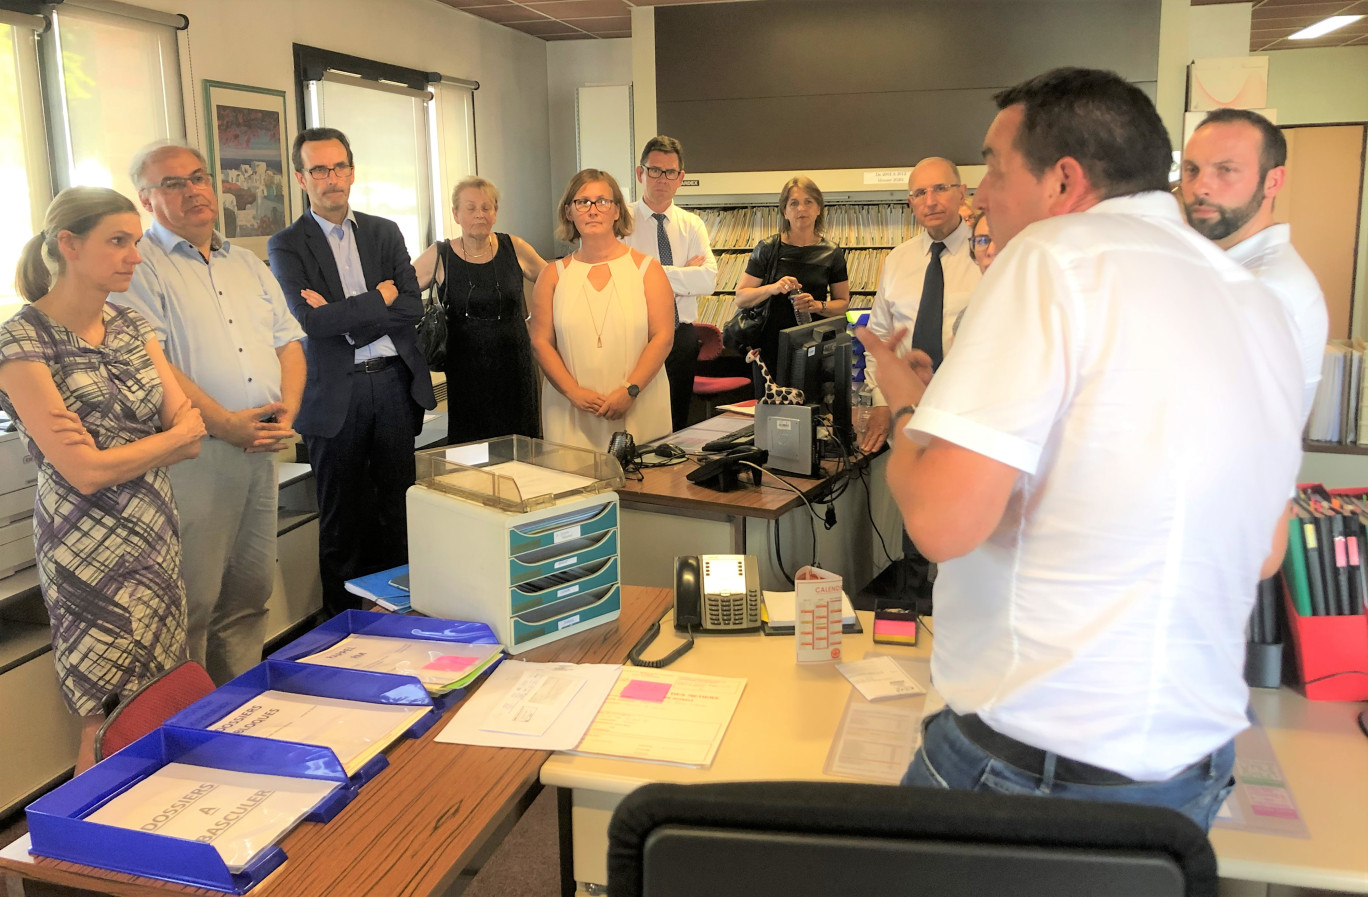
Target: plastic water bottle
[802,317]
[861,403]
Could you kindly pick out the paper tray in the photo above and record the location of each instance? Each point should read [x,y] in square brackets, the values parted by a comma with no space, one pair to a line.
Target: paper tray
[364,622]
[318,681]
[59,830]
[461,471]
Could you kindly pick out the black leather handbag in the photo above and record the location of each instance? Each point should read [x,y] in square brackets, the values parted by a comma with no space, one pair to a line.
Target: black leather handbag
[432,327]
[743,332]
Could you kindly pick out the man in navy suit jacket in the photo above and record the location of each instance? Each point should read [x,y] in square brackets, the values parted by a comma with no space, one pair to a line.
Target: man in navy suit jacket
[348,280]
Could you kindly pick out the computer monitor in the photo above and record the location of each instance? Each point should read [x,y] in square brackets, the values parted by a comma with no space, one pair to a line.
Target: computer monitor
[815,358]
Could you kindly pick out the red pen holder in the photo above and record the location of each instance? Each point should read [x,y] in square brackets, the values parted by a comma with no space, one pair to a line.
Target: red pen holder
[1332,653]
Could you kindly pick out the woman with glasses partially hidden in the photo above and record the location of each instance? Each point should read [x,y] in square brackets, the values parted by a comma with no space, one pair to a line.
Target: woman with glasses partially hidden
[982,250]
[103,415]
[491,381]
[602,324]
[800,273]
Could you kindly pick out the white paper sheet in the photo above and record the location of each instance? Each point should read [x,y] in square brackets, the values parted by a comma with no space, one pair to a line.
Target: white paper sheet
[534,703]
[438,665]
[534,480]
[467,727]
[240,814]
[355,730]
[780,609]
[880,678]
[664,717]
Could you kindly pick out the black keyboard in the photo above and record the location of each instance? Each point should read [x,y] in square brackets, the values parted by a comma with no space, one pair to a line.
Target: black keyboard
[743,436]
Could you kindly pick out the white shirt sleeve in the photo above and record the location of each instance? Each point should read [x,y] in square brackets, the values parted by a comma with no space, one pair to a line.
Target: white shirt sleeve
[1000,392]
[698,280]
[881,324]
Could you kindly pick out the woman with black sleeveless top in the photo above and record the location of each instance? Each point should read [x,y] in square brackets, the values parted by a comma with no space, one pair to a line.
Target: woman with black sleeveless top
[491,376]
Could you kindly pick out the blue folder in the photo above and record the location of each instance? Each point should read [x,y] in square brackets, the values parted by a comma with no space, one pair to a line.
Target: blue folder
[58,828]
[318,681]
[364,622]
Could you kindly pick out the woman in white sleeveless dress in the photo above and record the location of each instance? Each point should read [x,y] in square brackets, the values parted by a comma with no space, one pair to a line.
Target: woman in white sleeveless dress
[602,324]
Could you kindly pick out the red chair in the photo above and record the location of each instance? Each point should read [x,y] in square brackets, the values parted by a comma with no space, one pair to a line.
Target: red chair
[717,390]
[150,706]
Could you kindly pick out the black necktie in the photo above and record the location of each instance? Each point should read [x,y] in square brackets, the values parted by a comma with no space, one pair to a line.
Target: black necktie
[663,247]
[926,333]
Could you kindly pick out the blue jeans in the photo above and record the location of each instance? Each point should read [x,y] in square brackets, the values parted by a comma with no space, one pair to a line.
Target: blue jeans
[947,759]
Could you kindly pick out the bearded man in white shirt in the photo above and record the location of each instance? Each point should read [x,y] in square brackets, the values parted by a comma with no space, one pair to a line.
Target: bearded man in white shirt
[1234,165]
[1100,468]
[678,239]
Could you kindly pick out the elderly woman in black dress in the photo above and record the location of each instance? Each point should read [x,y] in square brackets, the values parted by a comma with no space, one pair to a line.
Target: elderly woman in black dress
[491,377]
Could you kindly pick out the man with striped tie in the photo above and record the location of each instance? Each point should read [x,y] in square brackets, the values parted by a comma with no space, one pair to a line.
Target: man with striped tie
[678,240]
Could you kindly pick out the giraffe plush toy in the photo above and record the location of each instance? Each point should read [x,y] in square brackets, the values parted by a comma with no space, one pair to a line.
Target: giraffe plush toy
[774,393]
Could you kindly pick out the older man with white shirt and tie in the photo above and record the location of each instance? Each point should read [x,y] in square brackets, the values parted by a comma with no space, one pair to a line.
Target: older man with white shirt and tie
[678,239]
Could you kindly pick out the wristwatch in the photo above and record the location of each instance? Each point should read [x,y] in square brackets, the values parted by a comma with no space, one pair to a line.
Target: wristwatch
[633,390]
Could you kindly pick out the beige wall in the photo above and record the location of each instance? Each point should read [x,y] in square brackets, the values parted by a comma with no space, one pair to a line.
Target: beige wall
[571,64]
[249,42]
[1321,86]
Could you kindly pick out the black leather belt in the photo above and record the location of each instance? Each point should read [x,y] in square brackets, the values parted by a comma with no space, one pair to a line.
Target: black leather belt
[1032,759]
[371,365]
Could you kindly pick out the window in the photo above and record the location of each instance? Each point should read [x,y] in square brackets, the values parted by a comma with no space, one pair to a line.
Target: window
[412,135]
[454,129]
[113,86]
[24,191]
[387,126]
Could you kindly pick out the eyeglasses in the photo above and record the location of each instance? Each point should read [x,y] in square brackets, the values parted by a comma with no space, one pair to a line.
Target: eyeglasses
[482,313]
[939,189]
[669,174]
[343,171]
[603,203]
[981,241]
[179,185]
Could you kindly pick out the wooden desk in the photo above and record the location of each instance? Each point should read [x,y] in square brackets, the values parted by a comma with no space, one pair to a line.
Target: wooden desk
[664,515]
[1324,756]
[788,715]
[412,830]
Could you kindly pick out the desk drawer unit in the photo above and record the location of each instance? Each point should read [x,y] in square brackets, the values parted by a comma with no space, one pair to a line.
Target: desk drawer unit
[532,577]
[16,546]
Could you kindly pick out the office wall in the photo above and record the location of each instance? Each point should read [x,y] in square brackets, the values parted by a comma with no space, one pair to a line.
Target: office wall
[571,64]
[1219,30]
[249,42]
[758,86]
[1323,86]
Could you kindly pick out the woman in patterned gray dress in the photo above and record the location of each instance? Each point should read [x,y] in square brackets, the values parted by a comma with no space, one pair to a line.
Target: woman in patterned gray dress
[102,414]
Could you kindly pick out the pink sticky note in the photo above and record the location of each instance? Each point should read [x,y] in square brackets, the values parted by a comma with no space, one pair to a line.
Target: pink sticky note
[450,663]
[644,690]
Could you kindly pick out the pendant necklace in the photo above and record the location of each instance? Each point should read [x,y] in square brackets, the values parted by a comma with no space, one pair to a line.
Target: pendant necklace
[603,320]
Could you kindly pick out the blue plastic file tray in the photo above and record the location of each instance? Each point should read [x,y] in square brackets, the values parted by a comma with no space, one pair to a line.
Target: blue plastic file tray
[59,830]
[366,622]
[321,682]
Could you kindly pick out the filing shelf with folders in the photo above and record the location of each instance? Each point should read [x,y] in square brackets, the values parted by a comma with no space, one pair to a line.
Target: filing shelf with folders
[519,534]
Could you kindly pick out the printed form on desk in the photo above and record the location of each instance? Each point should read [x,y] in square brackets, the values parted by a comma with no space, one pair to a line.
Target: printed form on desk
[240,814]
[354,730]
[539,706]
[664,717]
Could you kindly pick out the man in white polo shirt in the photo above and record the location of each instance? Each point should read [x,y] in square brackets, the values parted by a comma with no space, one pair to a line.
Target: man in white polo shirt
[1233,166]
[1100,468]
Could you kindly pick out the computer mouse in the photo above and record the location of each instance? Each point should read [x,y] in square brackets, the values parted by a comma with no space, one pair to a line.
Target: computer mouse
[668,450]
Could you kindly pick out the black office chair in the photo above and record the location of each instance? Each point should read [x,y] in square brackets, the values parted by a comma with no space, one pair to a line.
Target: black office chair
[795,839]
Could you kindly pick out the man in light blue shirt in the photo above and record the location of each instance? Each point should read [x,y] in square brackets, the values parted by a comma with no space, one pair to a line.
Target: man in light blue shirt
[228,331]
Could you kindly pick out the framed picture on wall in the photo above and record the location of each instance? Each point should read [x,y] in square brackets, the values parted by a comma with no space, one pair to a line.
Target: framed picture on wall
[247,156]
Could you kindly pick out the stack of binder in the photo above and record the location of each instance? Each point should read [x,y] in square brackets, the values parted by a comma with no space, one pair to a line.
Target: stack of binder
[1336,414]
[1325,583]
